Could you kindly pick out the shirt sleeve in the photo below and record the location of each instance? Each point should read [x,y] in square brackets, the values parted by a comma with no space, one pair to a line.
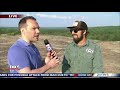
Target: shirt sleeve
[65,64]
[17,56]
[98,61]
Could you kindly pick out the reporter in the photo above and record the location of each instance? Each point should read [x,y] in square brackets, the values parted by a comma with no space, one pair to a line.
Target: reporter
[24,54]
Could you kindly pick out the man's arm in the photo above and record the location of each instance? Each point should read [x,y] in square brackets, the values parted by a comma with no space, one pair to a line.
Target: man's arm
[18,57]
[65,63]
[65,66]
[98,61]
[51,64]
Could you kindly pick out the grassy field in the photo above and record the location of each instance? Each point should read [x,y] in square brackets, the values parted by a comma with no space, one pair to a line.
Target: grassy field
[110,51]
[108,33]
[107,37]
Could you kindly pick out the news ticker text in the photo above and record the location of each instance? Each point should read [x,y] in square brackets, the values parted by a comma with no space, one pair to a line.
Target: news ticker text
[59,75]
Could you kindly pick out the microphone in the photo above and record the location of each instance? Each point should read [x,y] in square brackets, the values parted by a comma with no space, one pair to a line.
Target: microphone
[48,45]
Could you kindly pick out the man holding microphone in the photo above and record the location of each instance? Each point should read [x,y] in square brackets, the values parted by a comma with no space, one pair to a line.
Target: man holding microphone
[25,55]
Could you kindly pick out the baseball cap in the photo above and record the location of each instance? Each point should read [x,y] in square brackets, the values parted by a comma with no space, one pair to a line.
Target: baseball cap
[79,25]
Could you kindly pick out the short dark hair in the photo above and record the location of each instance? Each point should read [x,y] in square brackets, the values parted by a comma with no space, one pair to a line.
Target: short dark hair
[23,21]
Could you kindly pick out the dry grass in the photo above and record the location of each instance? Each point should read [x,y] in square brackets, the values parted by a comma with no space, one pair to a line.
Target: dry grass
[110,50]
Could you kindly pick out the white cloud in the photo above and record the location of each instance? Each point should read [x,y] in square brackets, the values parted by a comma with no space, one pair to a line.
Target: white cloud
[28,14]
[53,16]
[78,17]
[83,17]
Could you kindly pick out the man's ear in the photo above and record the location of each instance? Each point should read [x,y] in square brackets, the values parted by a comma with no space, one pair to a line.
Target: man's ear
[22,30]
[84,32]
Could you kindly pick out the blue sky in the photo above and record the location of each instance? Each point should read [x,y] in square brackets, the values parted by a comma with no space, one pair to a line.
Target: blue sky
[65,19]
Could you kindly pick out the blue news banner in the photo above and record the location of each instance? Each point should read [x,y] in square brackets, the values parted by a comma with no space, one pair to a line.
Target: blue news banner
[2,75]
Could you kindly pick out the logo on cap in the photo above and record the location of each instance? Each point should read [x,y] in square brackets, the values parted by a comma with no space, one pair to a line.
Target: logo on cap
[75,23]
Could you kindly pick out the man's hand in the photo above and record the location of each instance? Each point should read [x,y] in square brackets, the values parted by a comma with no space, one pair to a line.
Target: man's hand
[50,55]
[53,62]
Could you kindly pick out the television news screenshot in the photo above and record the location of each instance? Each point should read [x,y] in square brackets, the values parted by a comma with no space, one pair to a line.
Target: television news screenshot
[59,44]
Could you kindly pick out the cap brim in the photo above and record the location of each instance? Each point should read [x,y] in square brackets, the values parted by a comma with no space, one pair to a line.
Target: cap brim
[71,27]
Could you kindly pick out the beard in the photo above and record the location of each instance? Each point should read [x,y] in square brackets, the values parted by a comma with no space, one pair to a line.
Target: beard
[77,39]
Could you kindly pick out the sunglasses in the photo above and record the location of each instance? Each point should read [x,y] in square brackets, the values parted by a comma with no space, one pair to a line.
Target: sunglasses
[76,30]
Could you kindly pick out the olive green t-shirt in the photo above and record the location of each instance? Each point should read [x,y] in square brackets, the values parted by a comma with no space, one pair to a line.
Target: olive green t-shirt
[84,59]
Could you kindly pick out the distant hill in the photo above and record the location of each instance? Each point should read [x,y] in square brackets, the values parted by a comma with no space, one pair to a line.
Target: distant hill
[109,33]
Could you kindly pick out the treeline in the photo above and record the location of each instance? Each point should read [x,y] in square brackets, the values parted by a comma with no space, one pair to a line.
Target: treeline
[108,33]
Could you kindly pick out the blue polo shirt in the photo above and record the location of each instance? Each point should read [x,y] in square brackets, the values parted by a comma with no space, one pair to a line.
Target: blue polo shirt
[22,54]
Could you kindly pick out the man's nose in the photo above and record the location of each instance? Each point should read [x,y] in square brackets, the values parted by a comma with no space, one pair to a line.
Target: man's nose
[37,30]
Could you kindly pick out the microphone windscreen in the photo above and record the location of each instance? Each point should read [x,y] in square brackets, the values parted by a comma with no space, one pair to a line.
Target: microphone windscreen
[46,42]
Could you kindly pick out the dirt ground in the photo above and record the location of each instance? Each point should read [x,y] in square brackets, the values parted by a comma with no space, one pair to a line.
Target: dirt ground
[110,51]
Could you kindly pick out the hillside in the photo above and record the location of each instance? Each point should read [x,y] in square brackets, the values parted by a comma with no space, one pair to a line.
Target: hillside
[110,51]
